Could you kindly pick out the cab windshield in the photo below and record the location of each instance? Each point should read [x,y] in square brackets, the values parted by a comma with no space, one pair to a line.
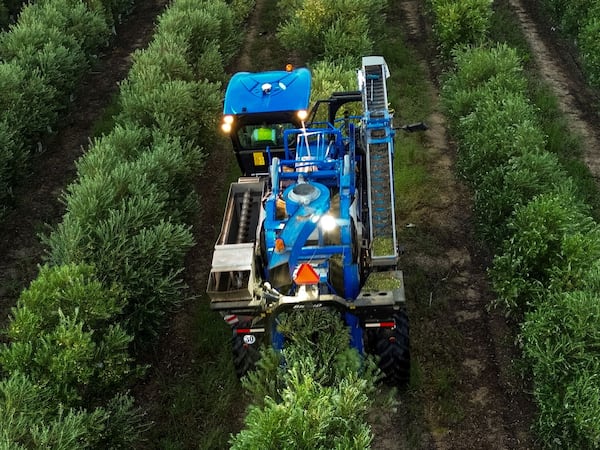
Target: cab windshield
[262,135]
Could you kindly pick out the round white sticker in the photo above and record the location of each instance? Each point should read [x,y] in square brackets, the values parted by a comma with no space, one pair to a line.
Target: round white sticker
[249,339]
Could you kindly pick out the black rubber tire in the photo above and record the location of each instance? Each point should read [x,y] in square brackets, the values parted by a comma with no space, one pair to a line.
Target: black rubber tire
[245,356]
[392,346]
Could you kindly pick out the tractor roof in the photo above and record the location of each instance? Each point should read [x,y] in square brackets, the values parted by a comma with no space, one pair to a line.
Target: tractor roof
[261,92]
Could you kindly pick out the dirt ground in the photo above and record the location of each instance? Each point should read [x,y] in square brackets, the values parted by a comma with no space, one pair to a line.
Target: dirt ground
[557,64]
[494,410]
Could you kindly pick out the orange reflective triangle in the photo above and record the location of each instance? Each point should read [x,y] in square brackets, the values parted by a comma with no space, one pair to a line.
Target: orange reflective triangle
[306,275]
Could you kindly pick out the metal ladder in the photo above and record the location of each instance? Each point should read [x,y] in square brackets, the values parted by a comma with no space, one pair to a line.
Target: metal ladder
[379,137]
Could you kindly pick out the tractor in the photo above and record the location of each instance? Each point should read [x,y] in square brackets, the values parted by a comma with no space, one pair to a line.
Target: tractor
[310,224]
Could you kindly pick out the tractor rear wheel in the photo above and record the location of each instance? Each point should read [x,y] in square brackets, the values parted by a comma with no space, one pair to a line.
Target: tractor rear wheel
[392,346]
[245,354]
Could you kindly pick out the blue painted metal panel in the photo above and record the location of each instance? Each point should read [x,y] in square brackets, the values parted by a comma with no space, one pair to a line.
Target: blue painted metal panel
[279,90]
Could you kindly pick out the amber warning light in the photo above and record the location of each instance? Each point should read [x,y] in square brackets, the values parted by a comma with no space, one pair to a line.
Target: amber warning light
[306,275]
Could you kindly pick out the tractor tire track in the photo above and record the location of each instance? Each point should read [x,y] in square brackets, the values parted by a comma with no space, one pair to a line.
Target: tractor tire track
[559,68]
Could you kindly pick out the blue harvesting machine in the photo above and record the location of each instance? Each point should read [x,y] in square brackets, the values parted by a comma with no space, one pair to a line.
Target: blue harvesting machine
[311,222]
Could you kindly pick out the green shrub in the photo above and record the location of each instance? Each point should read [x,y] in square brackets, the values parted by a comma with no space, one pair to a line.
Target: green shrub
[165,59]
[172,166]
[329,30]
[240,10]
[165,162]
[497,130]
[320,375]
[122,144]
[461,22]
[145,259]
[32,418]
[561,338]
[575,16]
[589,46]
[328,77]
[185,109]
[56,56]
[62,334]
[481,73]
[309,416]
[73,18]
[553,242]
[347,37]
[511,185]
[161,93]
[201,26]
[119,223]
[67,291]
[210,66]
[26,101]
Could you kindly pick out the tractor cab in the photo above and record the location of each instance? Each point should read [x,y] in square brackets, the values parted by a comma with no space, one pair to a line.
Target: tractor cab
[258,109]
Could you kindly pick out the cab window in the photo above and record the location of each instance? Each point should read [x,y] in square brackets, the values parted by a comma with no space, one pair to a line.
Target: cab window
[262,135]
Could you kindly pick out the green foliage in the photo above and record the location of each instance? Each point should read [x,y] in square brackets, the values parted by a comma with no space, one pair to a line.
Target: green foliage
[329,30]
[529,193]
[580,20]
[481,73]
[164,161]
[201,26]
[589,46]
[124,425]
[73,18]
[62,334]
[562,340]
[64,291]
[32,418]
[115,261]
[572,15]
[57,56]
[461,22]
[179,108]
[347,37]
[164,60]
[161,91]
[497,130]
[309,416]
[118,222]
[510,185]
[312,395]
[240,10]
[25,101]
[122,144]
[43,55]
[328,77]
[553,242]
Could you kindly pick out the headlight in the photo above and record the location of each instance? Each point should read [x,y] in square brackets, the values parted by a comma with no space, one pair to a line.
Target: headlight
[227,122]
[328,223]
